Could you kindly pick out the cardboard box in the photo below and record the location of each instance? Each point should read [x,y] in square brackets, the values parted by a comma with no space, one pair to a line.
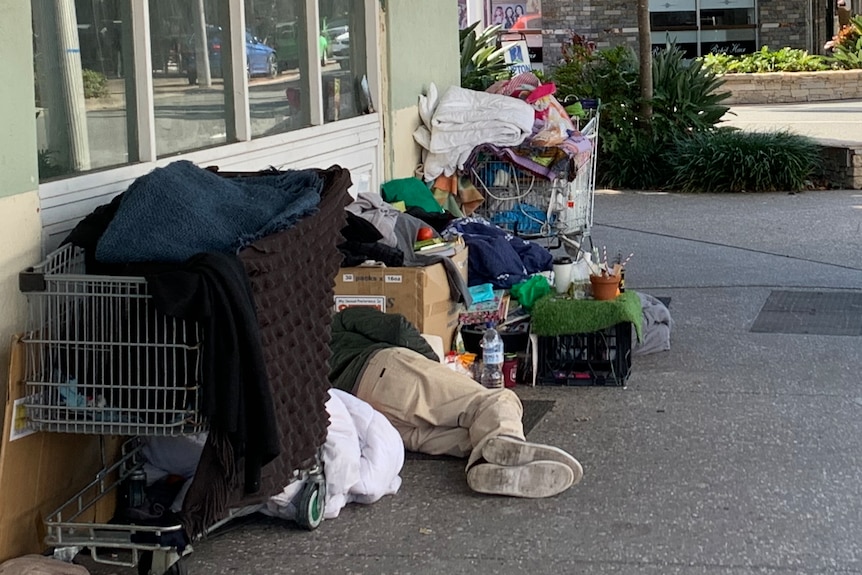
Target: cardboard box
[41,471]
[421,294]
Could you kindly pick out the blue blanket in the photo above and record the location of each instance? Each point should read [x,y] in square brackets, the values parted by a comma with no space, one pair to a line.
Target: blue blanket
[180,210]
[496,256]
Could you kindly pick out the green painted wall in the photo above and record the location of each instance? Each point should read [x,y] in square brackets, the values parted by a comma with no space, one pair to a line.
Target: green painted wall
[422,47]
[17,111]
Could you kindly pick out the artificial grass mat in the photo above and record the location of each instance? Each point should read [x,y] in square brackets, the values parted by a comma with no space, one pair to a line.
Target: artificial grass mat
[557,315]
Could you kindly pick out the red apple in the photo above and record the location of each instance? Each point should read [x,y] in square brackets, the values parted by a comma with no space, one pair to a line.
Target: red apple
[425,233]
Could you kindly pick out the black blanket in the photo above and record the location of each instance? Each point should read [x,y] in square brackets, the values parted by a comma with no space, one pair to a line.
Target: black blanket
[213,289]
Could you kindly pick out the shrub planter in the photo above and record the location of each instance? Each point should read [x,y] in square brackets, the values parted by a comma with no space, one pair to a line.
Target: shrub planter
[789,87]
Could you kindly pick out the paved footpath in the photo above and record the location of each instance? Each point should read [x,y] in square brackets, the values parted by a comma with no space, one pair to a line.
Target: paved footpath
[735,452]
[836,120]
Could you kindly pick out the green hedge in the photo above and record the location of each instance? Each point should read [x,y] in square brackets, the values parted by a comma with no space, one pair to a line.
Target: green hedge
[729,160]
[766,60]
[95,84]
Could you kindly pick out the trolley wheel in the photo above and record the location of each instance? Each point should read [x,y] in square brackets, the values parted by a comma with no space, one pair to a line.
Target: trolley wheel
[145,564]
[178,568]
[311,504]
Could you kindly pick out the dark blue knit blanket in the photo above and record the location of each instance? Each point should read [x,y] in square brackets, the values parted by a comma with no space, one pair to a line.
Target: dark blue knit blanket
[180,210]
[496,256]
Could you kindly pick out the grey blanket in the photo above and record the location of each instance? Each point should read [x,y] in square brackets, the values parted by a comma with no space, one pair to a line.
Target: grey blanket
[406,227]
[180,210]
[656,327]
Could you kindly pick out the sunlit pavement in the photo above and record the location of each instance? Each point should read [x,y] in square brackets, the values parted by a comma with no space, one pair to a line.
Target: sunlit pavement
[835,120]
[736,452]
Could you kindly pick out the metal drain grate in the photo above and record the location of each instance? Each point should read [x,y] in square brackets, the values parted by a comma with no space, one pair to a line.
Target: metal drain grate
[807,312]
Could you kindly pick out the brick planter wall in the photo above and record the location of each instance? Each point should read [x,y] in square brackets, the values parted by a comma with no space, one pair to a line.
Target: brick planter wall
[788,87]
[841,163]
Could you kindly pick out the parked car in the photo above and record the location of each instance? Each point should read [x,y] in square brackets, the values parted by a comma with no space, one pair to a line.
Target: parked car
[261,60]
[339,49]
[287,45]
[334,28]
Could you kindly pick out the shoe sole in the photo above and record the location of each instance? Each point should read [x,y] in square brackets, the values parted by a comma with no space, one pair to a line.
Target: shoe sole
[534,480]
[510,451]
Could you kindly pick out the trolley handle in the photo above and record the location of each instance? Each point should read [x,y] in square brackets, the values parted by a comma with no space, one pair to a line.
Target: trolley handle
[31,281]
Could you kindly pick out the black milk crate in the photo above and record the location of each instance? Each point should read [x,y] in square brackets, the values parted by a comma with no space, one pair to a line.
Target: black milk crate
[599,358]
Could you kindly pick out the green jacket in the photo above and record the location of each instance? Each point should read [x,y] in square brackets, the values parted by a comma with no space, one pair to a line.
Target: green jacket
[359,332]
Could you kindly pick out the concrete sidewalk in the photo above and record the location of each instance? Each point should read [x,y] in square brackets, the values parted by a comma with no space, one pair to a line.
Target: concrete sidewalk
[834,120]
[736,452]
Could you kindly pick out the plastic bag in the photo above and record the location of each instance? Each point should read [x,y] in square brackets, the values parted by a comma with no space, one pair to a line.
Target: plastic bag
[460,362]
[557,126]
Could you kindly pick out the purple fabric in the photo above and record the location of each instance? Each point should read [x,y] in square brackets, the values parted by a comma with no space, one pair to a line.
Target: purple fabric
[562,160]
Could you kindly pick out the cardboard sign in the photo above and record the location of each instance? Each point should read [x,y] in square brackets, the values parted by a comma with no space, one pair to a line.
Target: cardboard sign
[420,294]
[40,471]
[517,56]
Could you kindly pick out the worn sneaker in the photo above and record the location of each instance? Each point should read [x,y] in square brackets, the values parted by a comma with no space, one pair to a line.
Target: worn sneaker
[535,479]
[504,450]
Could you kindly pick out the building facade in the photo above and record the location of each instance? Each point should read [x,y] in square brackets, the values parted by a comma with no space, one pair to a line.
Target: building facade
[98,92]
[697,26]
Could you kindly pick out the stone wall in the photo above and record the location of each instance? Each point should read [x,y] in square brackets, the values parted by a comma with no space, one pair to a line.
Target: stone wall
[785,23]
[613,22]
[787,87]
[841,164]
[606,22]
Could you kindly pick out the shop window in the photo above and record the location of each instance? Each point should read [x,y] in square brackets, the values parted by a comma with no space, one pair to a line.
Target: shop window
[726,18]
[732,41]
[83,75]
[673,20]
[685,40]
[343,59]
[190,59]
[726,26]
[278,80]
[91,115]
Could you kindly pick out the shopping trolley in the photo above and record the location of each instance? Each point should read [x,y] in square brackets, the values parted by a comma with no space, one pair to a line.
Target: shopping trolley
[101,359]
[533,201]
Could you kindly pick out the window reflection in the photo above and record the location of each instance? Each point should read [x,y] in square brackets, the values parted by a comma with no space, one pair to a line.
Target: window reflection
[343,59]
[83,73]
[277,55]
[187,42]
[673,20]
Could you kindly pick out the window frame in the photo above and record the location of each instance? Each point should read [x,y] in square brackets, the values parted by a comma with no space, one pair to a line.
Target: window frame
[354,143]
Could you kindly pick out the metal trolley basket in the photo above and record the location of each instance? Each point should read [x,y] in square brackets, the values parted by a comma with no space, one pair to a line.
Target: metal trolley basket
[100,359]
[535,207]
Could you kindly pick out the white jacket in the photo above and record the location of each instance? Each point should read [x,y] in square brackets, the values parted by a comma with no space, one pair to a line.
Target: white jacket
[362,459]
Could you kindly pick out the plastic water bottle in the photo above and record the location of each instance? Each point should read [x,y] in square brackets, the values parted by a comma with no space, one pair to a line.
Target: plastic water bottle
[492,358]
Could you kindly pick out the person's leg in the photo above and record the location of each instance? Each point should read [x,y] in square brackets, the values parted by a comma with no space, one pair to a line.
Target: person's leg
[439,411]
[512,451]
[435,409]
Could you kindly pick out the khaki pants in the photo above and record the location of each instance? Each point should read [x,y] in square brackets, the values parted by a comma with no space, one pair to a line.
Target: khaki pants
[436,410]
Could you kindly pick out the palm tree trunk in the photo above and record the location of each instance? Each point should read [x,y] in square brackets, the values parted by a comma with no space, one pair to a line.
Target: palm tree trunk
[645,59]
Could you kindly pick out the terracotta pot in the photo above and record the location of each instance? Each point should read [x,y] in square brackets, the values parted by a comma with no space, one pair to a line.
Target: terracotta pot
[605,287]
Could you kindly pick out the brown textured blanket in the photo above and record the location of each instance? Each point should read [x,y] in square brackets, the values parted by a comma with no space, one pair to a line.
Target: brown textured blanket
[292,276]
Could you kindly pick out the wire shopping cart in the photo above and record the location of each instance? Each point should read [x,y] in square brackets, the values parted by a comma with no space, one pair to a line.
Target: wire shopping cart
[101,359]
[535,201]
